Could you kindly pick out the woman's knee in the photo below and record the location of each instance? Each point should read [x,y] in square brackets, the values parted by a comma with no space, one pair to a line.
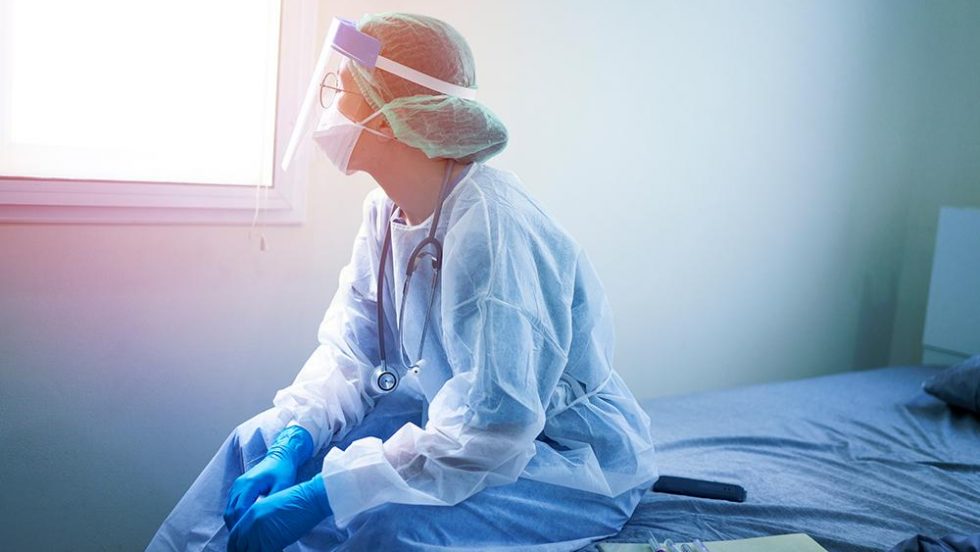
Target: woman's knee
[251,438]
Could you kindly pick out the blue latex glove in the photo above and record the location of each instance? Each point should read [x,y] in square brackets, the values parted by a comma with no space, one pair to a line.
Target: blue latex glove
[280,519]
[277,471]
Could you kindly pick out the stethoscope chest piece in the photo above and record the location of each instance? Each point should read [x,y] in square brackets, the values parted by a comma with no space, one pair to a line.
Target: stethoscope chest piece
[384,380]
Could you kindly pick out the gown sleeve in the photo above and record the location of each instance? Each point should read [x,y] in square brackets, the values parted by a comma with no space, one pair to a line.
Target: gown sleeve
[328,396]
[484,419]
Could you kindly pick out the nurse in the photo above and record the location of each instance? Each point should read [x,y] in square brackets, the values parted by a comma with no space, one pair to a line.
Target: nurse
[463,393]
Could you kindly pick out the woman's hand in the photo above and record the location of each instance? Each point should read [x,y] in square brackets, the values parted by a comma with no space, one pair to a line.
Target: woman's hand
[277,471]
[268,477]
[280,519]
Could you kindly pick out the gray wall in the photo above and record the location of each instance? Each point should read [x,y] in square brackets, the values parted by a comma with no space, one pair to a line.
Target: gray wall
[757,183]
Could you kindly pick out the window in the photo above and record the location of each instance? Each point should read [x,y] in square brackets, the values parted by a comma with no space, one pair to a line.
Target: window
[151,112]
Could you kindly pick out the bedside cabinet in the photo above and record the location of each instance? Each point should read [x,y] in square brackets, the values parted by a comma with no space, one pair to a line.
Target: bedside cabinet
[952,329]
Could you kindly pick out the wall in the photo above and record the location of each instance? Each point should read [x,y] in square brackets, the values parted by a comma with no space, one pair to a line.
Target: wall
[757,184]
[943,168]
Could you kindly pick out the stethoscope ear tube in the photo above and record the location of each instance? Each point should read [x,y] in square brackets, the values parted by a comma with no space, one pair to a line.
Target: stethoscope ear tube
[436,259]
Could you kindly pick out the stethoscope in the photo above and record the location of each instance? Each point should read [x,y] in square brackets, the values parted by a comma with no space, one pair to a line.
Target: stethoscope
[384,380]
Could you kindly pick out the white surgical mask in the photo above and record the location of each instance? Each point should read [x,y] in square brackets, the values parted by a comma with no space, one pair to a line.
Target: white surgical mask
[337,135]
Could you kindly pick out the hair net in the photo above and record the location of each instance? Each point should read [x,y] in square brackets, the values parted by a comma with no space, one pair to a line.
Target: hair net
[437,124]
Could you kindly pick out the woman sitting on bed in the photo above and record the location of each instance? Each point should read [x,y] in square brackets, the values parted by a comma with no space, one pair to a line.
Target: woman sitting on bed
[516,432]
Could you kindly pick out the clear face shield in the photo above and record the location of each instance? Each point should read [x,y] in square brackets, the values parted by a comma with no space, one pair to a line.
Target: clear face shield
[319,115]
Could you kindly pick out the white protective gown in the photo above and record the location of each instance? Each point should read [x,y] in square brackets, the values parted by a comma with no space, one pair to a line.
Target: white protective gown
[518,377]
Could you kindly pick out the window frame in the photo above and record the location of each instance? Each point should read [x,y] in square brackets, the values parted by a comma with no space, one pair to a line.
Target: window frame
[55,200]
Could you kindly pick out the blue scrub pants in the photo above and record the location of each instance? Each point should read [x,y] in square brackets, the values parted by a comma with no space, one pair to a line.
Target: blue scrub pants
[525,515]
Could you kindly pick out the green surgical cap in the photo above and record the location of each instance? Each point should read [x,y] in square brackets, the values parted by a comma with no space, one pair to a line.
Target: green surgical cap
[439,125]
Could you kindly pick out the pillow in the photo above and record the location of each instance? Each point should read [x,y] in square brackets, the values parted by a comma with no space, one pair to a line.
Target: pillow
[949,543]
[958,385]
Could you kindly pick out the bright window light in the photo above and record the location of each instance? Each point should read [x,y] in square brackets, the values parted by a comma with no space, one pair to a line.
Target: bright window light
[182,91]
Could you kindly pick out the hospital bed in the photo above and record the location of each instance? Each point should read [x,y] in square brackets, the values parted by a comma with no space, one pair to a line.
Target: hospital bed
[859,461]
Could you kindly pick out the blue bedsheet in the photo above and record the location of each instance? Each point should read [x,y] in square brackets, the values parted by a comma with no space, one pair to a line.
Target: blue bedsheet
[859,461]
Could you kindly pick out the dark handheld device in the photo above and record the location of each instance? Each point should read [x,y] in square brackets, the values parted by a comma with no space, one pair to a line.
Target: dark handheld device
[700,488]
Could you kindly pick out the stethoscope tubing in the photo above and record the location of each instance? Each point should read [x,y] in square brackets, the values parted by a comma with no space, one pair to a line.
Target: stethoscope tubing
[384,379]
